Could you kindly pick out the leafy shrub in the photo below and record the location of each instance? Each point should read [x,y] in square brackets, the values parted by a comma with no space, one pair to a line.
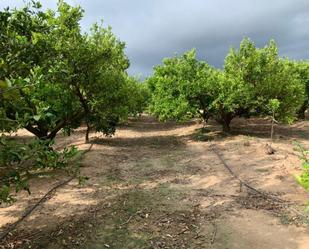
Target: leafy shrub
[19,161]
[303,179]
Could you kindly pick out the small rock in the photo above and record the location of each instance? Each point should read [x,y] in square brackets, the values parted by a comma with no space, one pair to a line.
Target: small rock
[269,150]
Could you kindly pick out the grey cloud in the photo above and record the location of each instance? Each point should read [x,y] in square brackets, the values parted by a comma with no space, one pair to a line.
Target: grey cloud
[154,29]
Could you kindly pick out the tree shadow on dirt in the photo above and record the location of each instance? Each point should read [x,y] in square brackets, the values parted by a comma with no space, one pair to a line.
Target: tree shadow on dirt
[253,127]
[151,124]
[261,128]
[128,220]
[151,141]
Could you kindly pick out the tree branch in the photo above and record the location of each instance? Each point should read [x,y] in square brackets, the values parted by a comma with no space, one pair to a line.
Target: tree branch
[63,123]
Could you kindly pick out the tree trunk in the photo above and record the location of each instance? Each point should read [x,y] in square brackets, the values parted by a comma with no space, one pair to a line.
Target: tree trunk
[37,132]
[43,133]
[226,126]
[302,111]
[87,133]
[205,116]
[226,119]
[272,127]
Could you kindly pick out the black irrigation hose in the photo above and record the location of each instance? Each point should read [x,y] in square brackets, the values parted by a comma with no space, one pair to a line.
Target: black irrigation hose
[268,196]
[212,147]
[46,197]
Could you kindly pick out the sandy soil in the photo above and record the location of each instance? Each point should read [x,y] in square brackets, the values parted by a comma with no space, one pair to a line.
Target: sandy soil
[157,185]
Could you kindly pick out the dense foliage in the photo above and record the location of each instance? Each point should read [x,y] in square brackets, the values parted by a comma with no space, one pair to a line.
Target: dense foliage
[19,162]
[183,86]
[138,96]
[302,68]
[260,76]
[180,87]
[58,76]
[303,179]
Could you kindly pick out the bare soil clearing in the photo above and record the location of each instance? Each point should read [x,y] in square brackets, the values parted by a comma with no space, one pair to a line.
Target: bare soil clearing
[157,185]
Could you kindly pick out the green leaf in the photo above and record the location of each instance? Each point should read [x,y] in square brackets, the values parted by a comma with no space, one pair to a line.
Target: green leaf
[37,117]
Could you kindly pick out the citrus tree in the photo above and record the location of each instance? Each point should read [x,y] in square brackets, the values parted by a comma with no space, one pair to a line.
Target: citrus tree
[53,77]
[179,88]
[138,100]
[183,86]
[251,78]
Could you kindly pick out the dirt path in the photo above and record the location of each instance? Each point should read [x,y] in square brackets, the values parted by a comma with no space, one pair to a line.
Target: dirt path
[158,185]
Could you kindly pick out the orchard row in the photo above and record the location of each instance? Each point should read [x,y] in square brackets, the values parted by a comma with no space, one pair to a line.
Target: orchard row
[253,82]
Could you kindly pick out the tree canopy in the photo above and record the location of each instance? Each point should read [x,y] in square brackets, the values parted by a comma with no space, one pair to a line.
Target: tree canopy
[179,87]
[252,77]
[53,77]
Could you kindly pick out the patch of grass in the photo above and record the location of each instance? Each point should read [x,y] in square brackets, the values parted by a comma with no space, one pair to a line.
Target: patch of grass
[118,239]
[153,169]
[115,229]
[113,176]
[121,226]
[202,135]
[136,172]
[112,179]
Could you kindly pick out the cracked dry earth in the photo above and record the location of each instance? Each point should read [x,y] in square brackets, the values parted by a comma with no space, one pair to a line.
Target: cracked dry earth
[160,185]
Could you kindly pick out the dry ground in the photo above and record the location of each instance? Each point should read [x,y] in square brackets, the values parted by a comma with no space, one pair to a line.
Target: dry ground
[160,185]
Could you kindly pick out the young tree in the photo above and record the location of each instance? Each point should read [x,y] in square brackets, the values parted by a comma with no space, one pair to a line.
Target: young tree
[273,106]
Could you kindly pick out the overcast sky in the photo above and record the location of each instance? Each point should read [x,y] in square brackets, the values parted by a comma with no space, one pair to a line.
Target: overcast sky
[154,29]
